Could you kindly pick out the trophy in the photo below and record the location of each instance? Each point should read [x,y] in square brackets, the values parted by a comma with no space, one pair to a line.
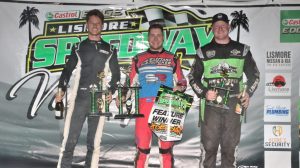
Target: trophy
[132,98]
[223,87]
[98,93]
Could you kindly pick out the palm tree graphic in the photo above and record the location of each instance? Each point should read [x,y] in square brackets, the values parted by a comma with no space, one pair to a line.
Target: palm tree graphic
[29,15]
[239,19]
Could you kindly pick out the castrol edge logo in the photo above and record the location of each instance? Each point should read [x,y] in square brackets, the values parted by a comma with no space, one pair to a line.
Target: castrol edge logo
[63,15]
[291,22]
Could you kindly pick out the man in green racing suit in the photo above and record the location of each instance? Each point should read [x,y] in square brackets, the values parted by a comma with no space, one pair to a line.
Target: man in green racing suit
[222,61]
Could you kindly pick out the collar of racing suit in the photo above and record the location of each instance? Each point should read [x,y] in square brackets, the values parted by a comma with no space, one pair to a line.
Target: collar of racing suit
[93,41]
[218,44]
[155,52]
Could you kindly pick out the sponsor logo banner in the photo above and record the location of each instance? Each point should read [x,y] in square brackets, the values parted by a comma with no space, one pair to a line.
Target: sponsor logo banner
[125,28]
[278,84]
[61,15]
[289,26]
[278,159]
[279,60]
[277,136]
[185,30]
[277,110]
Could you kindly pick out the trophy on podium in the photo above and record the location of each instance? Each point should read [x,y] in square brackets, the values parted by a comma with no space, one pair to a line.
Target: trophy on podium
[223,87]
[132,98]
[98,92]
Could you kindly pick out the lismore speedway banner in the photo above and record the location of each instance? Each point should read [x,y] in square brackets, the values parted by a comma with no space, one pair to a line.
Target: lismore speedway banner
[36,40]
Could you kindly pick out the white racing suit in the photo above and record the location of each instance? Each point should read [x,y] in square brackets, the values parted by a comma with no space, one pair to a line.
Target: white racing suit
[89,58]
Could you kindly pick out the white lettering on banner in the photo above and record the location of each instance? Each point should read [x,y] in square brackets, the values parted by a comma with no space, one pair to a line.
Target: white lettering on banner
[40,94]
[64,29]
[108,12]
[291,30]
[115,25]
[81,27]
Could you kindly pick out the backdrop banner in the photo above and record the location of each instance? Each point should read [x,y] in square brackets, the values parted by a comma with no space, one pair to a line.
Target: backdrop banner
[36,40]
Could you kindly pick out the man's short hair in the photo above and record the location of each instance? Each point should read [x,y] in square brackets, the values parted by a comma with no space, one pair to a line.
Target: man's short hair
[95,12]
[155,26]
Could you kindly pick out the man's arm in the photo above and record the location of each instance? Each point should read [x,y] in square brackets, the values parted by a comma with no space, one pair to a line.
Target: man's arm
[134,71]
[67,72]
[115,71]
[179,78]
[195,76]
[252,73]
[68,69]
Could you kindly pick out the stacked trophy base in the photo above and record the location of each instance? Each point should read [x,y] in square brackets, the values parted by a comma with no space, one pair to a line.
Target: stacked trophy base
[129,114]
[124,116]
[106,114]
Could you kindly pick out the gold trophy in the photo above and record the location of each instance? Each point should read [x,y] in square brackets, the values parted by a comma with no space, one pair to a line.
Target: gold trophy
[98,92]
[132,98]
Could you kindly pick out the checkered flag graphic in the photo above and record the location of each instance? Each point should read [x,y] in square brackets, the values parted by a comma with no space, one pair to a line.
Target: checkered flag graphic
[164,16]
[170,18]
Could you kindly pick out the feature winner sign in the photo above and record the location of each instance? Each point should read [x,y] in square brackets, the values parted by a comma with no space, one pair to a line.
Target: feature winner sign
[168,113]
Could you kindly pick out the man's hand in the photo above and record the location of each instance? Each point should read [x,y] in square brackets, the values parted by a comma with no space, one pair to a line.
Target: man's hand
[59,97]
[245,99]
[211,95]
[179,88]
[108,97]
[118,102]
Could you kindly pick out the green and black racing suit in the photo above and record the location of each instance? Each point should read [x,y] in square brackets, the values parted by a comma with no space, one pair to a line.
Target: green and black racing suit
[221,126]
